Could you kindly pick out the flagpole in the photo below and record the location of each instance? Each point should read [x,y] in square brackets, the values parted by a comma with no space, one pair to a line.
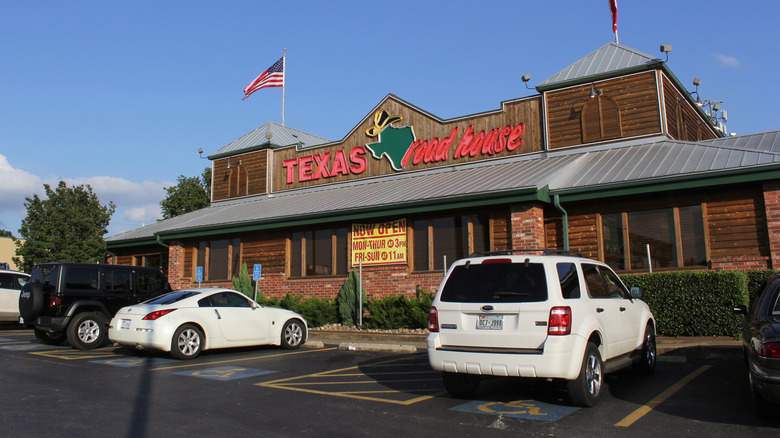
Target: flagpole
[284,82]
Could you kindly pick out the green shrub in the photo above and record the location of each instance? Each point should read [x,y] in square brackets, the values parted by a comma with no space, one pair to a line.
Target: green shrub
[757,281]
[244,284]
[693,303]
[347,300]
[397,311]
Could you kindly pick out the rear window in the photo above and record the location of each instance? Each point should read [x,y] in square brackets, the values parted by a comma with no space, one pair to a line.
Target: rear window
[496,283]
[172,297]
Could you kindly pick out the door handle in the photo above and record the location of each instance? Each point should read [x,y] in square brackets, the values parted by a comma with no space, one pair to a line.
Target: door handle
[600,309]
[622,309]
[217,312]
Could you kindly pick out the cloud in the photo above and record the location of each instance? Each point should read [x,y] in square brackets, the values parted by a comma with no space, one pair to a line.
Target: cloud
[137,203]
[728,61]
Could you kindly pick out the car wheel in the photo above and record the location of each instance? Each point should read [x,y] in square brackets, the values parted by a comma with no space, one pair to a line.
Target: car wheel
[187,342]
[459,384]
[293,334]
[87,331]
[586,388]
[646,364]
[50,338]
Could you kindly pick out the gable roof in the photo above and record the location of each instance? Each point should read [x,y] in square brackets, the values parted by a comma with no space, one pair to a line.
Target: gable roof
[607,60]
[622,168]
[269,135]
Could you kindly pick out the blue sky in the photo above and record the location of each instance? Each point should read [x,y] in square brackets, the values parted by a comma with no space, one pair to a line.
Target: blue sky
[120,95]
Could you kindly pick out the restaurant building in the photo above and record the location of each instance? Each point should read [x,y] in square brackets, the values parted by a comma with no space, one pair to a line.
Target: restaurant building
[612,158]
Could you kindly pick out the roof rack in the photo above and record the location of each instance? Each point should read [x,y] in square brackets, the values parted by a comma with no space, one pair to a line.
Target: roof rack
[548,251]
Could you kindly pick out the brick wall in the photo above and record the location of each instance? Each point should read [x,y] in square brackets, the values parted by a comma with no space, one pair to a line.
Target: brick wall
[772,206]
[740,264]
[176,266]
[528,226]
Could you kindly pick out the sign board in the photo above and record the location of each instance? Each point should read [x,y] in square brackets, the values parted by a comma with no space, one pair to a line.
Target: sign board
[256,272]
[379,244]
[199,274]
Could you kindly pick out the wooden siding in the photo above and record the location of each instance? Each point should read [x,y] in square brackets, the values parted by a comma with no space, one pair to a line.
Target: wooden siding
[267,249]
[683,122]
[501,230]
[636,97]
[246,175]
[737,224]
[425,127]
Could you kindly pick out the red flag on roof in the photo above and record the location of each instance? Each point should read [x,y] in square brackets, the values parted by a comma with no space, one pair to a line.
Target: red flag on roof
[272,77]
[613,8]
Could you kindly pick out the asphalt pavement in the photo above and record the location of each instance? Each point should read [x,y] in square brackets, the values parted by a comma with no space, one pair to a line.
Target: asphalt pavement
[670,349]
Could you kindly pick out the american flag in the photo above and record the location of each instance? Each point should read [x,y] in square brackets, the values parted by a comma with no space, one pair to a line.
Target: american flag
[613,9]
[273,77]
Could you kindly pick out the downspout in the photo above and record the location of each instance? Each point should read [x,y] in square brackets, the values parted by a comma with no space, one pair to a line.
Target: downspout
[557,203]
[113,256]
[159,240]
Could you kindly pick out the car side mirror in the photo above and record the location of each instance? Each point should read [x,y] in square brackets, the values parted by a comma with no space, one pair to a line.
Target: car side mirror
[636,292]
[740,309]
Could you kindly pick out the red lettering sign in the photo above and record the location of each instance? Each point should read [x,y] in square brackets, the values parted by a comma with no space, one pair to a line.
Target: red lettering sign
[306,170]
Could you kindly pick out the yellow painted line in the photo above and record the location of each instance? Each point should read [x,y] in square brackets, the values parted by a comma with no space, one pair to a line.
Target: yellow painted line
[200,364]
[359,382]
[646,409]
[293,384]
[381,374]
[74,354]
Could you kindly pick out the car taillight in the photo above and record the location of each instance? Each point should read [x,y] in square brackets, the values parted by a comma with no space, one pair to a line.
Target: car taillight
[54,301]
[769,349]
[560,321]
[433,320]
[157,314]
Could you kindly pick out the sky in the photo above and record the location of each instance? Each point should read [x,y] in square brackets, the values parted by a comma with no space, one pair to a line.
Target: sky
[120,95]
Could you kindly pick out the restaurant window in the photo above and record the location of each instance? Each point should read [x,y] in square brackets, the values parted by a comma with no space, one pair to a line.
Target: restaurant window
[220,259]
[450,237]
[319,252]
[673,237]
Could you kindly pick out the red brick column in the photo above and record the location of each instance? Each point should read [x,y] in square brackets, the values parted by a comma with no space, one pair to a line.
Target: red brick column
[772,208]
[528,226]
[176,266]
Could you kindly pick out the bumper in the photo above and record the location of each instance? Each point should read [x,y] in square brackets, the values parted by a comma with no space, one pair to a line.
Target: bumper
[560,357]
[766,381]
[49,323]
[144,336]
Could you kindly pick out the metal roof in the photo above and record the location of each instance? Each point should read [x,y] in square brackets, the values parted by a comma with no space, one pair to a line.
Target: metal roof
[654,161]
[606,60]
[271,134]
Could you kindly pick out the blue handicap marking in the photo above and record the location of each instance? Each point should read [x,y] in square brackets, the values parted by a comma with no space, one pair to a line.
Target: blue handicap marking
[133,361]
[524,409]
[30,347]
[225,373]
[5,340]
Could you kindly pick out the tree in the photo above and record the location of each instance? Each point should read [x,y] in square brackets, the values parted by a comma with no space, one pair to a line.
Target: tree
[188,195]
[67,226]
[6,233]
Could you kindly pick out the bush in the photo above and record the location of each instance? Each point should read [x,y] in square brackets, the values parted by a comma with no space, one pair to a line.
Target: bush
[397,311]
[693,303]
[347,300]
[244,284]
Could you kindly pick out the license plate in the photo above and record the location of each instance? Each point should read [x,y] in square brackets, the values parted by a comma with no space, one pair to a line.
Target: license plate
[490,322]
[125,324]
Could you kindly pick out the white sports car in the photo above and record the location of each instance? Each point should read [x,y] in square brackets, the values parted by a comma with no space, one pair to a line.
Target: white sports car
[187,322]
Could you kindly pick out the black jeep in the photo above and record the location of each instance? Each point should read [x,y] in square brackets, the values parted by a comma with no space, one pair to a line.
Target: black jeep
[77,300]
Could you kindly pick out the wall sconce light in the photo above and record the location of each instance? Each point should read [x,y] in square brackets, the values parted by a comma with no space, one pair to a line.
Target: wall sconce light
[594,92]
[526,77]
[228,164]
[666,48]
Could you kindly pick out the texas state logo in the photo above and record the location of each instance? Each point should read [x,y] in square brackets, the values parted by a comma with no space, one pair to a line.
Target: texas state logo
[401,148]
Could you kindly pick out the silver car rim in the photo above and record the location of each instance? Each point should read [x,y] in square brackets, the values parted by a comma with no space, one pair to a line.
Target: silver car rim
[593,375]
[650,353]
[293,334]
[89,331]
[188,342]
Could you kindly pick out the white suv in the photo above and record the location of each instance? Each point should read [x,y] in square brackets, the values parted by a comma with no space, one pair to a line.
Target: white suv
[534,313]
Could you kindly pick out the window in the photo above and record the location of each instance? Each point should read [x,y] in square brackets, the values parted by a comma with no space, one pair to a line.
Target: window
[117,280]
[82,279]
[496,283]
[674,238]
[319,252]
[150,281]
[220,259]
[570,281]
[600,119]
[453,237]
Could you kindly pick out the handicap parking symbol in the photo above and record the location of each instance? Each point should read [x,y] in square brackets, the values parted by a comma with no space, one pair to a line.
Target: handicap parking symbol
[521,409]
[225,373]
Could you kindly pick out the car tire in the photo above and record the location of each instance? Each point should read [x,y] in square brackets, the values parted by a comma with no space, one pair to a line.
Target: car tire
[585,390]
[646,364]
[30,302]
[187,342]
[460,385]
[293,334]
[50,338]
[87,330]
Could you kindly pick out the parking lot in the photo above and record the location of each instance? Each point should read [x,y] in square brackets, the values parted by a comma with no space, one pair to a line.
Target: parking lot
[55,391]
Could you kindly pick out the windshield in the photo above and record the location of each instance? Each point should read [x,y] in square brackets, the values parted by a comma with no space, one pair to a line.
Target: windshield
[496,283]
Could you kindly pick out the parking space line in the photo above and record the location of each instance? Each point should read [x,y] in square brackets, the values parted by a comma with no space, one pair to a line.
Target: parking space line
[328,379]
[200,364]
[70,354]
[646,409]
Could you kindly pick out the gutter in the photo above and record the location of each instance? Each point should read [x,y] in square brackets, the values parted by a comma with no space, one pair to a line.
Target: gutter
[159,240]
[557,203]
